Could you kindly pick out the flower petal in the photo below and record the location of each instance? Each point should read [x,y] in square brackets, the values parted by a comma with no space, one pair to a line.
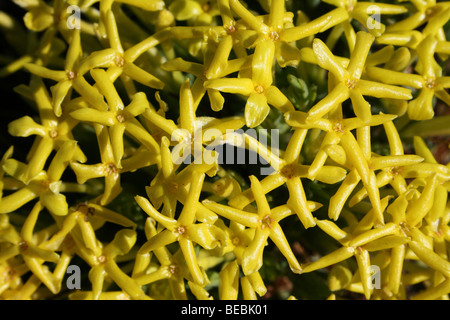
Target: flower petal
[262,63]
[256,110]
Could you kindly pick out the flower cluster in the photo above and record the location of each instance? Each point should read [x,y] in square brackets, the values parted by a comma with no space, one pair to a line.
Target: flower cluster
[117,181]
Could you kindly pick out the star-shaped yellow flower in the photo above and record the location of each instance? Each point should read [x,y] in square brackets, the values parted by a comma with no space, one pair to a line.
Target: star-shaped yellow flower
[404,32]
[45,185]
[362,12]
[357,152]
[265,222]
[105,264]
[260,90]
[430,82]
[288,171]
[51,133]
[184,230]
[215,65]
[278,28]
[349,83]
[27,245]
[109,167]
[170,187]
[120,120]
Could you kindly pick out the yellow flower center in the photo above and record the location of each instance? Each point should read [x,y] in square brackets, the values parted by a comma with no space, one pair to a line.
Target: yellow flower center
[172,186]
[351,83]
[70,75]
[274,35]
[235,241]
[430,83]
[430,12]
[267,222]
[218,186]
[231,28]
[120,61]
[85,209]
[288,171]
[338,127]
[53,133]
[101,259]
[394,171]
[349,5]
[120,118]
[404,228]
[173,269]
[259,89]
[110,169]
[7,275]
[44,184]
[180,230]
[23,245]
[206,6]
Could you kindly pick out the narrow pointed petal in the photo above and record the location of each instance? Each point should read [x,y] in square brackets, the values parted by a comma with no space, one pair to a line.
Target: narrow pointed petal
[421,108]
[327,61]
[252,259]
[145,205]
[339,94]
[278,99]
[278,237]
[359,54]
[26,126]
[187,108]
[140,75]
[160,240]
[379,90]
[361,107]
[59,93]
[262,63]
[246,218]
[242,86]
[55,203]
[298,202]
[256,110]
[16,200]
[187,215]
[191,261]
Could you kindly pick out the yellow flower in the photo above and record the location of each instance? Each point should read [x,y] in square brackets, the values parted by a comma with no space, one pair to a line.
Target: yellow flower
[215,65]
[73,74]
[391,166]
[431,13]
[196,12]
[170,187]
[429,81]
[355,154]
[349,83]
[363,13]
[183,230]
[259,89]
[279,29]
[119,119]
[207,228]
[34,255]
[109,167]
[288,171]
[45,185]
[265,222]
[51,133]
[356,244]
[105,265]
[170,267]
[192,132]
